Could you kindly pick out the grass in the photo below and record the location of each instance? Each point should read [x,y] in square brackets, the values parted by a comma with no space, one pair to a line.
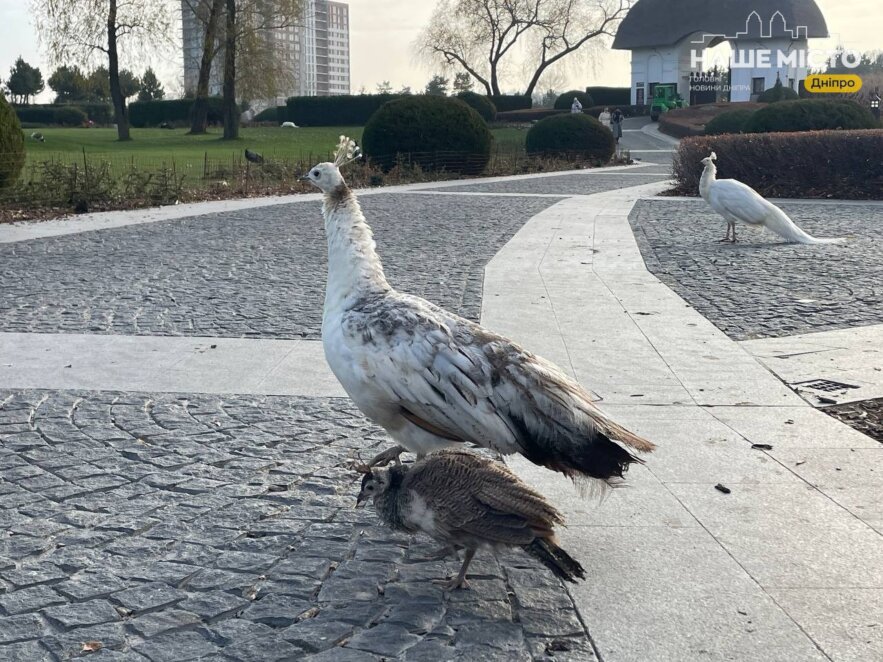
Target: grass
[155,147]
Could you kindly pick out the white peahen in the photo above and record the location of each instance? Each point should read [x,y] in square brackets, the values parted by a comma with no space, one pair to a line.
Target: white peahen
[736,201]
[432,379]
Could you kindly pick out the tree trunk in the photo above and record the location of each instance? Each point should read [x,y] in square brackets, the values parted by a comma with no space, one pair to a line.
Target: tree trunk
[113,66]
[199,121]
[231,117]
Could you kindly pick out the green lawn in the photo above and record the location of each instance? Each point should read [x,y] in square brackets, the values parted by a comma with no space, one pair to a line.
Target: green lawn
[155,147]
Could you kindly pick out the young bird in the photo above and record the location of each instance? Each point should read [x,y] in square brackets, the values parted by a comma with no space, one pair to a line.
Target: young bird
[432,379]
[464,500]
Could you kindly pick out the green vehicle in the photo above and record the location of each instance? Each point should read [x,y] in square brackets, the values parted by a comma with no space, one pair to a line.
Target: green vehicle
[665,97]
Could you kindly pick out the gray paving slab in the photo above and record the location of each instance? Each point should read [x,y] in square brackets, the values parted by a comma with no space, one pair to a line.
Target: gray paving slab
[761,287]
[247,272]
[185,526]
[587,184]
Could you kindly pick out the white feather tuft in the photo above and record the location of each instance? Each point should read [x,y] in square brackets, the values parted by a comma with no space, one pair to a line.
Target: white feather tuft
[347,152]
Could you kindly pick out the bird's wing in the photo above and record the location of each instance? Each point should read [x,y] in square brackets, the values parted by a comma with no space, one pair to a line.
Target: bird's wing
[729,196]
[474,385]
[457,494]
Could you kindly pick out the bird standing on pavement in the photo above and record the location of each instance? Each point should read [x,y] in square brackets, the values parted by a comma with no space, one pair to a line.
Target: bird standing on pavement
[466,501]
[432,379]
[736,201]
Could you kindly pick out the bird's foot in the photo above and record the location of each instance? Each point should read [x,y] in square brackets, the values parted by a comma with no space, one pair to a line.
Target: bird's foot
[387,456]
[452,584]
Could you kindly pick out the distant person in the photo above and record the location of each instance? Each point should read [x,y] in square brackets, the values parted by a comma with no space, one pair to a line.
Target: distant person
[576,106]
[604,118]
[616,124]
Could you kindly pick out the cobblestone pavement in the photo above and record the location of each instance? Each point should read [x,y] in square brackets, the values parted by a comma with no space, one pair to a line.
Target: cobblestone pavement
[250,273]
[866,416]
[176,527]
[761,287]
[587,184]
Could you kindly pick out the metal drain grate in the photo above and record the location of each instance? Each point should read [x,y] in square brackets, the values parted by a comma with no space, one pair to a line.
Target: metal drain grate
[826,385]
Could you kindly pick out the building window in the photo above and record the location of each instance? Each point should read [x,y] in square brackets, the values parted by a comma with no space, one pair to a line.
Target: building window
[758,85]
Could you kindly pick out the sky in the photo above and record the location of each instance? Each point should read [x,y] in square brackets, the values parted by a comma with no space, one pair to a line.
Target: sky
[382,36]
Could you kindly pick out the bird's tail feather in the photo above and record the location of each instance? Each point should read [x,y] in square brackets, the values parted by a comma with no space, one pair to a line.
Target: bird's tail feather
[779,222]
[556,559]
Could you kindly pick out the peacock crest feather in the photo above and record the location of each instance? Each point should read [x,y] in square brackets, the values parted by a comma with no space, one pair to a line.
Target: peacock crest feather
[347,152]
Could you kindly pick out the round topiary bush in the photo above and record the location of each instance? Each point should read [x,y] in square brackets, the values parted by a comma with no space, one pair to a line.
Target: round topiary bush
[571,135]
[12,145]
[436,133]
[480,104]
[811,115]
[732,121]
[565,100]
[776,93]
[70,116]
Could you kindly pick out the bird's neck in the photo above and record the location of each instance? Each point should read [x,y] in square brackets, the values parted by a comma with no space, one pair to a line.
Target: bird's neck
[709,175]
[354,268]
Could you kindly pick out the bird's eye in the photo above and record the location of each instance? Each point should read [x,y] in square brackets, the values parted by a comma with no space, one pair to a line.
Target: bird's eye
[317,174]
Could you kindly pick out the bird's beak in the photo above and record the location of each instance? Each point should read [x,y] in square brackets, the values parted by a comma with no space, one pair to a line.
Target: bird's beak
[303,178]
[362,498]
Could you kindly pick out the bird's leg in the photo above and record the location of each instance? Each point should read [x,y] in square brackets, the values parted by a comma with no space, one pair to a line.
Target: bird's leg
[442,553]
[734,233]
[387,456]
[727,235]
[460,580]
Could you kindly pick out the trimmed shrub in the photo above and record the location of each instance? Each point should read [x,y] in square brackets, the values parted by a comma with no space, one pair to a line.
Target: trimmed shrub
[776,93]
[271,114]
[610,96]
[12,145]
[69,116]
[565,100]
[571,134]
[811,115]
[732,121]
[100,113]
[436,133]
[344,110]
[628,111]
[813,164]
[506,102]
[172,111]
[528,115]
[480,104]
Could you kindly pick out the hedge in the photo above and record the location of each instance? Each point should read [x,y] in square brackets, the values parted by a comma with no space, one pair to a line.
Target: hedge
[344,110]
[434,132]
[507,102]
[271,114]
[571,134]
[480,104]
[565,100]
[528,115]
[172,111]
[610,96]
[732,121]
[100,113]
[70,116]
[776,93]
[12,146]
[812,164]
[811,115]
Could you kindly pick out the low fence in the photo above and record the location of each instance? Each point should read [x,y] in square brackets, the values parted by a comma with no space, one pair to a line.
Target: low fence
[93,181]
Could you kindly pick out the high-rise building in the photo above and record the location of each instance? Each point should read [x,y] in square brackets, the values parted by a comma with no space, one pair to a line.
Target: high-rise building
[316,52]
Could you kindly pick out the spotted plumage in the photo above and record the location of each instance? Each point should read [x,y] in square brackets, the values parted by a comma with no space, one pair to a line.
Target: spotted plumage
[466,501]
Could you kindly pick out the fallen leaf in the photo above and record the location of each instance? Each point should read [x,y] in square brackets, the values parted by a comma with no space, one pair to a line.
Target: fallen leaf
[91,646]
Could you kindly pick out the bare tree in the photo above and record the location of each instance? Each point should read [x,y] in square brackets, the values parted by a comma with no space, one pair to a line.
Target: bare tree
[485,37]
[249,41]
[83,29]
